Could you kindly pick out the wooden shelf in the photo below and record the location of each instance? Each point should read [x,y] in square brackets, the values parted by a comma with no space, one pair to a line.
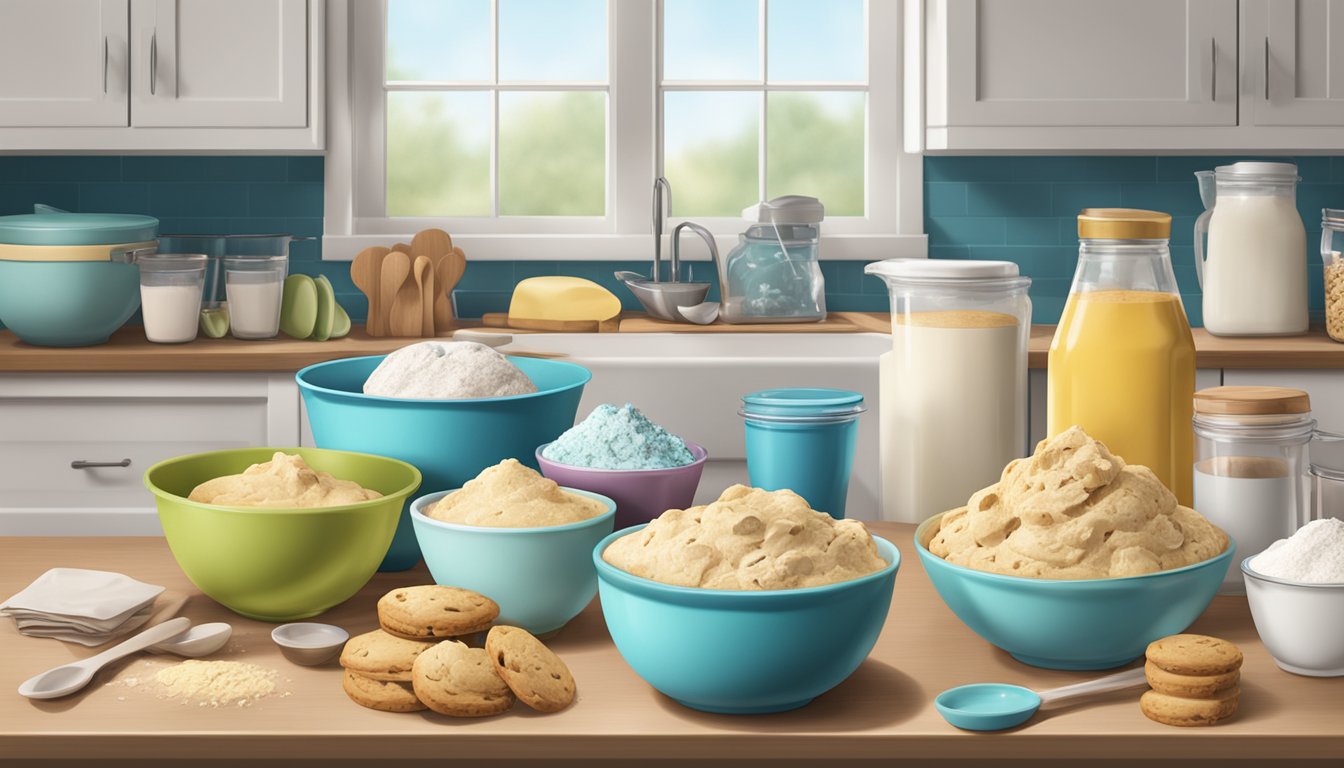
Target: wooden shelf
[884,710]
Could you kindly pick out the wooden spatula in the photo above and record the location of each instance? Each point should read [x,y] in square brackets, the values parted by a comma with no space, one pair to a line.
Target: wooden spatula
[364,272]
[424,281]
[396,268]
[431,242]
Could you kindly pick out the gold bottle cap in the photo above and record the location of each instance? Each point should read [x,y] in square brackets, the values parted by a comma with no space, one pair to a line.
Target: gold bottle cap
[1123,224]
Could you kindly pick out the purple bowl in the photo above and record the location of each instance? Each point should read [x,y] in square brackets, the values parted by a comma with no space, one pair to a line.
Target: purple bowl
[640,494]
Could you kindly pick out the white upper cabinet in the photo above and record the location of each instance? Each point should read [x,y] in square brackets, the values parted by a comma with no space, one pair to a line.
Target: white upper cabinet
[1091,62]
[1293,62]
[241,63]
[1100,75]
[63,62]
[161,75]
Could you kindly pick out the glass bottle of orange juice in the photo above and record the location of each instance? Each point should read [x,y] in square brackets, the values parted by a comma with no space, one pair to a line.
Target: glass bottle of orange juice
[1122,363]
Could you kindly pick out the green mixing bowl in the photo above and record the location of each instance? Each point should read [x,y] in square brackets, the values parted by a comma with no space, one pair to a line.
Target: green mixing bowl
[277,564]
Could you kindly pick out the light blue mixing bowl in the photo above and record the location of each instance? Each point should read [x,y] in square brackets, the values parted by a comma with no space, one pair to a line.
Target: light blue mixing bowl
[541,577]
[1075,624]
[744,652]
[449,441]
[67,303]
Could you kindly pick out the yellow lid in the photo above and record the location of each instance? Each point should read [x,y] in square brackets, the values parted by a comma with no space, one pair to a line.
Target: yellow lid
[1123,224]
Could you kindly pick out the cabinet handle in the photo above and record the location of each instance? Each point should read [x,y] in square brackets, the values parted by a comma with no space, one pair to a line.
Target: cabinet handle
[153,60]
[82,464]
[1266,69]
[104,64]
[1213,54]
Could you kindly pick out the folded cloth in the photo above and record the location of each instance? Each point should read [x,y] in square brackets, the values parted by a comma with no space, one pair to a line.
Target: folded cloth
[81,593]
[81,606]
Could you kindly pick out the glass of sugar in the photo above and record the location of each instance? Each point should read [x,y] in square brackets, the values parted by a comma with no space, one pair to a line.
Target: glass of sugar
[254,286]
[170,295]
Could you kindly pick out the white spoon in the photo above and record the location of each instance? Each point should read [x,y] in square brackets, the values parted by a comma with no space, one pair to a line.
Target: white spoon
[68,678]
[200,640]
[701,314]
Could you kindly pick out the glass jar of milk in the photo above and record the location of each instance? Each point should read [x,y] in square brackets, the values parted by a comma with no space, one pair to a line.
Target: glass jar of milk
[953,390]
[254,287]
[1249,472]
[1254,270]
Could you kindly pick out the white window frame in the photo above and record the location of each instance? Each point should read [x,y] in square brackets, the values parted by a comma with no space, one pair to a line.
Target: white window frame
[355,174]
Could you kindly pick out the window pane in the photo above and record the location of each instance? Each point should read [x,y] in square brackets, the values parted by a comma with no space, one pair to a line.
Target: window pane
[552,153]
[438,40]
[816,40]
[711,40]
[815,146]
[542,40]
[438,153]
[710,151]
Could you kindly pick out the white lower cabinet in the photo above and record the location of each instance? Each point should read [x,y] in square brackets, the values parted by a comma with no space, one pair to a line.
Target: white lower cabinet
[74,447]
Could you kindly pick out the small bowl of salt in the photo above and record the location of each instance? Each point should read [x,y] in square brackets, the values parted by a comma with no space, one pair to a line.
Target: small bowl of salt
[1296,593]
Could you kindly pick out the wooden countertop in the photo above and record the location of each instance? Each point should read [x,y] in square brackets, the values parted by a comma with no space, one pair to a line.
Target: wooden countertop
[128,351]
[884,710]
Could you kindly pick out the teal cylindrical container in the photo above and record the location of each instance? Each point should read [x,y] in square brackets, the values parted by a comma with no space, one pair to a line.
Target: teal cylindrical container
[803,439]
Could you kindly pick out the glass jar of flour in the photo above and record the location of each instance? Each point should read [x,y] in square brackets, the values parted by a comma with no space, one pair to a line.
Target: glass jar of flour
[1249,480]
[953,405]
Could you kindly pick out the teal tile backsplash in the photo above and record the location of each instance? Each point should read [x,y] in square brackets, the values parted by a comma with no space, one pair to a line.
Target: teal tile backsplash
[1020,209]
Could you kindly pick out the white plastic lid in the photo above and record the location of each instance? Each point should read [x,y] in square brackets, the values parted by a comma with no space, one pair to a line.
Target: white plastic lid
[942,269]
[1258,170]
[789,209]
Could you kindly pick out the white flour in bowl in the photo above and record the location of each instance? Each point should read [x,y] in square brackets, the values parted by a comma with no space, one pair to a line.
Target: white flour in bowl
[1313,555]
[447,370]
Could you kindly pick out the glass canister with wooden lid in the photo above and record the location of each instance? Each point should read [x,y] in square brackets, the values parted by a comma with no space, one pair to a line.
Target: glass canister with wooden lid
[1249,471]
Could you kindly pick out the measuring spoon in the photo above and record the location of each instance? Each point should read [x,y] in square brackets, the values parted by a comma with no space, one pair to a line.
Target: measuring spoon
[68,678]
[200,640]
[996,706]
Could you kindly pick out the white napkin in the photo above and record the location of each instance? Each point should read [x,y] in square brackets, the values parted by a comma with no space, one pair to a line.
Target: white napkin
[81,606]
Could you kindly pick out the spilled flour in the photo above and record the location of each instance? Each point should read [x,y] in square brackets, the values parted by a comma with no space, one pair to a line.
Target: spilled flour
[214,683]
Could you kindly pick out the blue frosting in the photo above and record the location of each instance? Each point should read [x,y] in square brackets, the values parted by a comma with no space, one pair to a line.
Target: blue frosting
[618,438]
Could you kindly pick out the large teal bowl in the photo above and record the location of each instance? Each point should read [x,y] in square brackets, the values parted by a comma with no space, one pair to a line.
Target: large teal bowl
[1075,624]
[67,303]
[450,441]
[541,577]
[744,652]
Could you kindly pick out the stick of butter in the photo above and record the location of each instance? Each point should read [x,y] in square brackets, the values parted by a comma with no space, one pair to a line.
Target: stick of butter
[555,297]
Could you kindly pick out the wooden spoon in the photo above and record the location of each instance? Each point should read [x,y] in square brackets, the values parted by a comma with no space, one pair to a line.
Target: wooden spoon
[431,242]
[448,271]
[424,281]
[396,267]
[364,272]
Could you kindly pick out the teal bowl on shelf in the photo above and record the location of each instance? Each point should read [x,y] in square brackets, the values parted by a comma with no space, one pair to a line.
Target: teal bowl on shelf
[744,652]
[1079,624]
[67,303]
[450,441]
[541,577]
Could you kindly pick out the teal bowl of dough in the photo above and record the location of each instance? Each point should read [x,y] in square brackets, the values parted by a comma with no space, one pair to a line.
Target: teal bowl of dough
[541,577]
[1073,624]
[744,652]
[450,441]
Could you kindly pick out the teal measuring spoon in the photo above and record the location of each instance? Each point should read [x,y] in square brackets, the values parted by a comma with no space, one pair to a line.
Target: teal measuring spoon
[996,706]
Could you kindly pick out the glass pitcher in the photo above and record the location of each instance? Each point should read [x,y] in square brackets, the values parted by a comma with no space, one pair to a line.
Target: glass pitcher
[1122,362]
[772,275]
[1254,270]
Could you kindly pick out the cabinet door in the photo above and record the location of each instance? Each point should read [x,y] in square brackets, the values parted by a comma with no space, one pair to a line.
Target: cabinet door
[1293,61]
[63,63]
[211,64]
[1091,62]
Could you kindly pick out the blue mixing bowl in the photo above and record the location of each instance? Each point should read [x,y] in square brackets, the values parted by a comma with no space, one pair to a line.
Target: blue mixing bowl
[1074,624]
[67,303]
[541,577]
[744,652]
[449,441]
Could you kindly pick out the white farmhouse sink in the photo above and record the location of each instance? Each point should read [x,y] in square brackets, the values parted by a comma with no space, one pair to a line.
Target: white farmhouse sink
[692,384]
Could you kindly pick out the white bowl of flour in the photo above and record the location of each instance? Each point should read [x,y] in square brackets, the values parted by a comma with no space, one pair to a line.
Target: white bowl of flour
[1296,593]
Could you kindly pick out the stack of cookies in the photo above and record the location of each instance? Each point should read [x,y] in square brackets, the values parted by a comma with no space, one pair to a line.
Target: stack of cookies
[1195,680]
[421,658]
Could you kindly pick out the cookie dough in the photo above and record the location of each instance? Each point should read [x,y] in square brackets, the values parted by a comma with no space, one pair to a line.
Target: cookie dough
[510,495]
[749,539]
[284,481]
[1074,510]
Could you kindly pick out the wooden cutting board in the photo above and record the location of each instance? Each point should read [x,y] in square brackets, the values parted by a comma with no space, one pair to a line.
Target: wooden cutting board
[503,320]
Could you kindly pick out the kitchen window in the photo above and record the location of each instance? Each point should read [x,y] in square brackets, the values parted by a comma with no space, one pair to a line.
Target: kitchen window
[533,129]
